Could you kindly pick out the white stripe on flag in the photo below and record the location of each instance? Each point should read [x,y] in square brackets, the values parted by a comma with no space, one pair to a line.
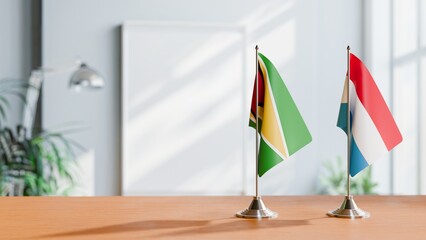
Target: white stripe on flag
[345,92]
[364,132]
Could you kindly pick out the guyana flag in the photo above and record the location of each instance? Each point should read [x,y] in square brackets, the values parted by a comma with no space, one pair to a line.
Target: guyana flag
[281,127]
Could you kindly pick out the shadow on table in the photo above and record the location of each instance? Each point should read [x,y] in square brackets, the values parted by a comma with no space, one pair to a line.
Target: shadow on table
[237,225]
[131,227]
[194,226]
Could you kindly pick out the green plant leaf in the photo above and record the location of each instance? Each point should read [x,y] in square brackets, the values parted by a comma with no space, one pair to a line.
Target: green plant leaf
[334,176]
[46,160]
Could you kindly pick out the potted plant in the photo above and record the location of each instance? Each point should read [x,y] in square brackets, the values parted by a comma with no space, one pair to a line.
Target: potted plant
[333,180]
[32,166]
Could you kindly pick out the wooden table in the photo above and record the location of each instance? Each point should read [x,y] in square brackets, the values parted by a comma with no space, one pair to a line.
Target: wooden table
[392,217]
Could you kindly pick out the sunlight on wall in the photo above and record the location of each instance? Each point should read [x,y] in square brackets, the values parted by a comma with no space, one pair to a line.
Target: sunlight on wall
[265,13]
[283,38]
[202,54]
[405,113]
[172,148]
[395,51]
[405,33]
[189,92]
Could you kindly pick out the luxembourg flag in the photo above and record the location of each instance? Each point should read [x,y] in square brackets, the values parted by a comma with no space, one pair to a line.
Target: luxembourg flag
[374,131]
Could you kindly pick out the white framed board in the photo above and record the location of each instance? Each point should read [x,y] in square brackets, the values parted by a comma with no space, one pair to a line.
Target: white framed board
[184,111]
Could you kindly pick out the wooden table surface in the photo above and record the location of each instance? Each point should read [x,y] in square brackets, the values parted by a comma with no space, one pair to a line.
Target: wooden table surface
[301,217]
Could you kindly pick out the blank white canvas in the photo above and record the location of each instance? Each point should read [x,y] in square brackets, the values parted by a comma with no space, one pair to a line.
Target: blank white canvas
[183,109]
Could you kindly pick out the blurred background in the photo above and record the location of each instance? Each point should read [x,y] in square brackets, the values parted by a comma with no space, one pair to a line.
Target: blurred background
[172,115]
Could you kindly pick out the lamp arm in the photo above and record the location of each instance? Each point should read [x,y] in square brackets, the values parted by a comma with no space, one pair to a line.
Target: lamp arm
[31,100]
[84,76]
[32,97]
[57,70]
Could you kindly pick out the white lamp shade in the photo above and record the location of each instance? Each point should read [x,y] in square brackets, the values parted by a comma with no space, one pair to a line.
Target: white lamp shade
[86,77]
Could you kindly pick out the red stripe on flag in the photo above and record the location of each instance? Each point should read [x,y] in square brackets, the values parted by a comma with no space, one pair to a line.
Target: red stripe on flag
[261,92]
[370,96]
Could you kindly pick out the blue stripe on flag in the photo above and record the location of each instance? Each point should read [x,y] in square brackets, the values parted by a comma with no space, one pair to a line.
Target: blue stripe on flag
[358,162]
[342,120]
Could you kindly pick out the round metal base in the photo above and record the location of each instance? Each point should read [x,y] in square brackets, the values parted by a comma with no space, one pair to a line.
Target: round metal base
[348,209]
[257,209]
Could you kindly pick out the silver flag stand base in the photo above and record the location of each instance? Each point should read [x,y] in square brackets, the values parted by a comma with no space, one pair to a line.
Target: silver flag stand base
[257,209]
[349,209]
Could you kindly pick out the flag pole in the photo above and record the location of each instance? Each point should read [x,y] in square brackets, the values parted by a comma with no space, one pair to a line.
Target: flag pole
[348,209]
[257,122]
[257,208]
[348,183]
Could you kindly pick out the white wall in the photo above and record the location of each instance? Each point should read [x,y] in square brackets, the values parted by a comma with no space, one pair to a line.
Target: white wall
[394,54]
[305,39]
[377,57]
[15,48]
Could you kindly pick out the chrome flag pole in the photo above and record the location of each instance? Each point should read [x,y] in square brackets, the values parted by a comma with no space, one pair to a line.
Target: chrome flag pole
[257,208]
[257,122]
[348,209]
